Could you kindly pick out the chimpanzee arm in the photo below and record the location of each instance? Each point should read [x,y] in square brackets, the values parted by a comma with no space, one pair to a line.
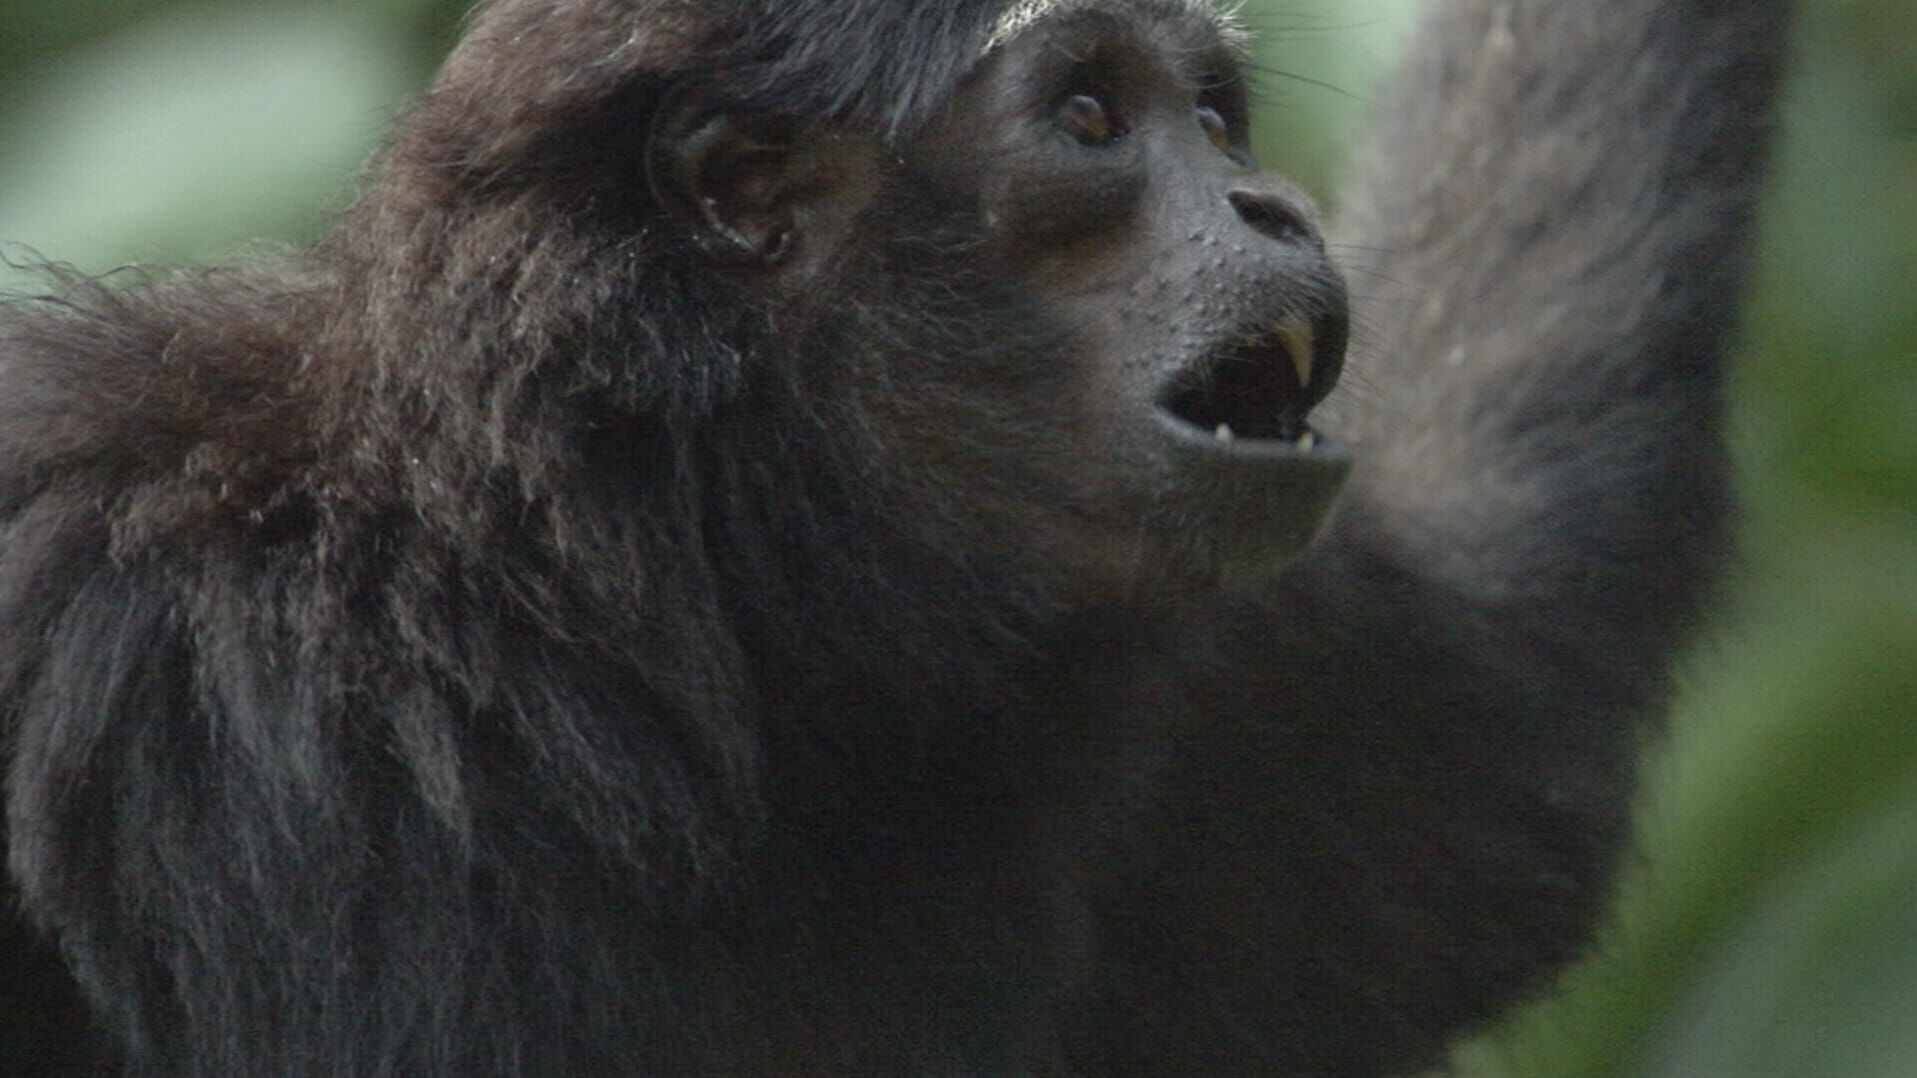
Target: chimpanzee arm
[1411,809]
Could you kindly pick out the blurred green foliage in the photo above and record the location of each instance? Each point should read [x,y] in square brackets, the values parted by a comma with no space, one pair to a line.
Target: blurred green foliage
[1770,928]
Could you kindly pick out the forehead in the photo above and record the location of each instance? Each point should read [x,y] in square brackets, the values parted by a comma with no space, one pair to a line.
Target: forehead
[1022,15]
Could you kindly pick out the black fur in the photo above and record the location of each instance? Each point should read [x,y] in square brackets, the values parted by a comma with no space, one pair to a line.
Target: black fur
[500,642]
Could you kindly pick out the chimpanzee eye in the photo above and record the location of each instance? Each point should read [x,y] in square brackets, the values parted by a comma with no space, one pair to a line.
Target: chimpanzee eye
[1087,119]
[1215,128]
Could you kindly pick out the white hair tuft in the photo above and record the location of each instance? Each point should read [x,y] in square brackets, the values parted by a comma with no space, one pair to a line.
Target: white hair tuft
[1022,15]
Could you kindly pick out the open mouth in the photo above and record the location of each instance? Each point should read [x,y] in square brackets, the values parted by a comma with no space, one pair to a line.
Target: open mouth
[1257,391]
[1247,483]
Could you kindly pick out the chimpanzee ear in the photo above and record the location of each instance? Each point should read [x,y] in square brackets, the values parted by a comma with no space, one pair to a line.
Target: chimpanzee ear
[729,175]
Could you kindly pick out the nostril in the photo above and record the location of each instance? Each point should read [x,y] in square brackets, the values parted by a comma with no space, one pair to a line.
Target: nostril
[1269,214]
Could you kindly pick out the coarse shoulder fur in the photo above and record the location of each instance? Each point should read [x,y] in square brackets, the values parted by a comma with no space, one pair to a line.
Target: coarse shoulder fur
[492,642]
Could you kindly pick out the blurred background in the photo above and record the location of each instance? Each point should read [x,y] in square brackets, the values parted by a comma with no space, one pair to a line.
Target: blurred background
[1770,925]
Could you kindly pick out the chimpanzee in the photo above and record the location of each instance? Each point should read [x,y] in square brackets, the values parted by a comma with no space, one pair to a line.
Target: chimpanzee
[828,537]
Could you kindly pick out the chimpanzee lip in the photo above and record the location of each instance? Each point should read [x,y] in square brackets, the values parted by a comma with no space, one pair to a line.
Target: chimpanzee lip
[1247,483]
[1224,442]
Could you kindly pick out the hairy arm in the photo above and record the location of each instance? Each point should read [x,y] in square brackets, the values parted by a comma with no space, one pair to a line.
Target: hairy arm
[1559,202]
[1444,699]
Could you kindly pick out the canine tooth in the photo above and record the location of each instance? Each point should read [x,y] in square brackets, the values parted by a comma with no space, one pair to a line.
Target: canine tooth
[1307,440]
[1302,342]
[1223,433]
